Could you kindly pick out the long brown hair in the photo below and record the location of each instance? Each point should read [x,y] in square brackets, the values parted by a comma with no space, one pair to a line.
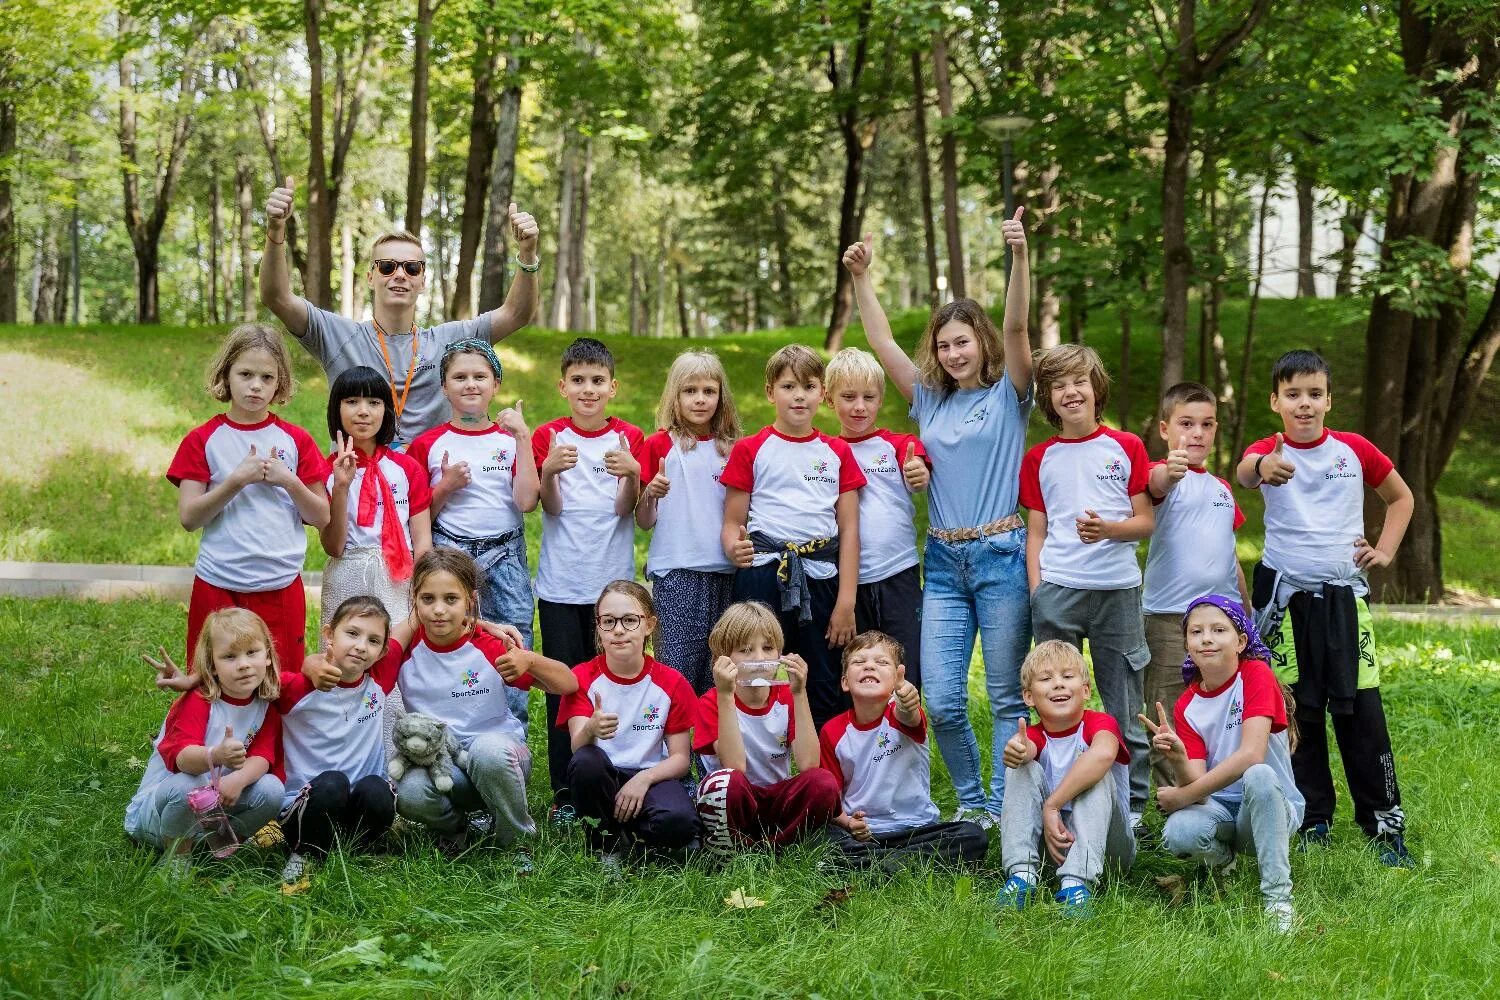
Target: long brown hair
[445,559]
[992,352]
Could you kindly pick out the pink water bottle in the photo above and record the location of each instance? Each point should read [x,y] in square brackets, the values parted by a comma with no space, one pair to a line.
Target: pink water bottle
[208,807]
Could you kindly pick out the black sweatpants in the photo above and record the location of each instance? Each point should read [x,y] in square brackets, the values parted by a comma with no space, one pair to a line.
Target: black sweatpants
[335,810]
[1369,765]
[568,637]
[940,843]
[894,606]
[808,640]
[668,819]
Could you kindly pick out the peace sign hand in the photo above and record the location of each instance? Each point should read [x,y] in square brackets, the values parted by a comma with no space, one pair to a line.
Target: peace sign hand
[1164,739]
[168,676]
[345,463]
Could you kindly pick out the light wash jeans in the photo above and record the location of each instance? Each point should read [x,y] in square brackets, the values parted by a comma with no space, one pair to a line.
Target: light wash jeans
[976,588]
[494,781]
[169,818]
[504,594]
[1098,820]
[1263,821]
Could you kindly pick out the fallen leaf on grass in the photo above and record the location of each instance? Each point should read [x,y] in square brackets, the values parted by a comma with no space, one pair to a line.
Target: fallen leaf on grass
[1175,886]
[623,988]
[737,900]
[589,970]
[836,897]
[1275,975]
[296,888]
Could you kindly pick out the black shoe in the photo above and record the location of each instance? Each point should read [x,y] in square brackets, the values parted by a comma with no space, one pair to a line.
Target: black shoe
[1391,847]
[1313,837]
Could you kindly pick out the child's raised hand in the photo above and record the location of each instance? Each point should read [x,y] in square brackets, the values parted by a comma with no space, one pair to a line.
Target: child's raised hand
[1275,468]
[796,673]
[1177,461]
[345,463]
[1013,231]
[320,672]
[1164,739]
[228,752]
[908,698]
[1018,747]
[659,487]
[168,676]
[455,476]
[560,458]
[524,228]
[725,675]
[619,462]
[512,419]
[860,256]
[1056,833]
[743,552]
[505,632]
[604,724]
[279,204]
[1091,527]
[252,469]
[511,664]
[914,470]
[1367,556]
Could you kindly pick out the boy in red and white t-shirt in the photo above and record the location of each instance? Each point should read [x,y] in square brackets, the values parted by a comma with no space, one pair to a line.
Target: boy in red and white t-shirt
[1310,590]
[590,465]
[1192,549]
[895,465]
[1085,491]
[749,730]
[878,752]
[791,524]
[1070,790]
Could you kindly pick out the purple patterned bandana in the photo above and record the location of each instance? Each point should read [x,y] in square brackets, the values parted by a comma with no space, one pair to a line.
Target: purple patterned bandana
[1254,648]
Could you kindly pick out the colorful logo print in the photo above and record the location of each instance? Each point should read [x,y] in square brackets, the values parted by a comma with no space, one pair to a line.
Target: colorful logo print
[820,467]
[501,455]
[882,458]
[883,740]
[1341,464]
[471,678]
[370,702]
[652,713]
[1115,467]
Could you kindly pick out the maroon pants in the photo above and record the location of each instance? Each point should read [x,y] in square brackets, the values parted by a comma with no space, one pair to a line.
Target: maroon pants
[284,611]
[736,813]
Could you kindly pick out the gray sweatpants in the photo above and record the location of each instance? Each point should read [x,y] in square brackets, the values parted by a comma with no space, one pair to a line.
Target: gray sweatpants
[1100,827]
[1262,822]
[494,780]
[1111,621]
[168,818]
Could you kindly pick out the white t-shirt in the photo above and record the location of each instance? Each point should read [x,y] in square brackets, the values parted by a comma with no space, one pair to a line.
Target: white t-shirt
[588,544]
[408,488]
[1056,752]
[459,685]
[883,769]
[1192,549]
[1209,724]
[487,506]
[690,516]
[1313,521]
[1063,477]
[766,732]
[887,515]
[256,542]
[794,486]
[656,703]
[335,730]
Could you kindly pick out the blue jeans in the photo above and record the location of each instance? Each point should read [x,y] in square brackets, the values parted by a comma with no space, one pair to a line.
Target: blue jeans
[975,585]
[504,594]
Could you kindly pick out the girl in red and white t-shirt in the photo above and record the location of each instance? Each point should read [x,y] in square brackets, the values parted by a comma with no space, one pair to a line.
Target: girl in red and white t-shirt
[683,500]
[1229,746]
[250,480]
[630,722]
[225,731]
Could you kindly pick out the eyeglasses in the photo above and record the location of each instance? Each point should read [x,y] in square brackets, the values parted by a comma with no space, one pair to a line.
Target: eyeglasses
[629,623]
[387,267]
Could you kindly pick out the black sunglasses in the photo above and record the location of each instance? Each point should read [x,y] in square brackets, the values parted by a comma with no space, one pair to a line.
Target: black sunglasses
[388,267]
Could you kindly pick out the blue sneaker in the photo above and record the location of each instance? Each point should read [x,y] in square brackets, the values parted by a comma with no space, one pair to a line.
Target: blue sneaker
[1016,894]
[1313,837]
[1077,901]
[1392,850]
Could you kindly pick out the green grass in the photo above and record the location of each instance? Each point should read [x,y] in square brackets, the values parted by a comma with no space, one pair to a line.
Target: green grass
[83,914]
[94,415]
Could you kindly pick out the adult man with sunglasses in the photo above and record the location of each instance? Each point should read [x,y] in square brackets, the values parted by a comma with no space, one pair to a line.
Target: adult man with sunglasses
[391,342]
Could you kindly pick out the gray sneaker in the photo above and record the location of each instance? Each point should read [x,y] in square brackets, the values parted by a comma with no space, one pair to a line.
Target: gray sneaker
[1281,916]
[294,869]
[986,821]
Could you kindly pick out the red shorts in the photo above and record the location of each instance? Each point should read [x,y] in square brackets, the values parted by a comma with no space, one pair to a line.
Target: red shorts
[284,611]
[736,813]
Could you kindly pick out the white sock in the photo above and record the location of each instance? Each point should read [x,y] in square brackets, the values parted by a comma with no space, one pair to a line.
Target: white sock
[1069,881]
[1030,875]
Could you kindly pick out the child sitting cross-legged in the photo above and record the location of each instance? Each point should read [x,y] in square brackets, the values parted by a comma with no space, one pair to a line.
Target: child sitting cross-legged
[1070,790]
[878,752]
[750,729]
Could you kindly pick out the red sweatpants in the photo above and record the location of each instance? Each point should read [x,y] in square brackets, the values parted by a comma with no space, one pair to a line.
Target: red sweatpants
[284,611]
[736,813]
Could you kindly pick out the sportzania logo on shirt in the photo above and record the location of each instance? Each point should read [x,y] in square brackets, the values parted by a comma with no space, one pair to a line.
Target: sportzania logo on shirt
[1236,710]
[501,455]
[1114,472]
[1223,499]
[650,716]
[369,701]
[819,473]
[471,677]
[882,463]
[886,745]
[1341,470]
[977,415]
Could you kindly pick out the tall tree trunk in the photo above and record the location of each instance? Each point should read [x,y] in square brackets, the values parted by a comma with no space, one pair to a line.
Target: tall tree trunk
[416,154]
[215,238]
[924,178]
[65,267]
[244,195]
[8,255]
[846,81]
[1045,204]
[790,308]
[682,308]
[1124,392]
[1240,411]
[635,294]
[578,269]
[347,283]
[562,296]
[1307,287]
[494,274]
[1351,227]
[948,158]
[476,172]
[43,302]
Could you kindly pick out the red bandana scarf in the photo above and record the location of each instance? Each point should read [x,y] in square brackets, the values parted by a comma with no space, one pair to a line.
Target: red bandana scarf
[392,540]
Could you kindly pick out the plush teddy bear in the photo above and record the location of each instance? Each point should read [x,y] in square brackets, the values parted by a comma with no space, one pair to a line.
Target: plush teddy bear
[424,742]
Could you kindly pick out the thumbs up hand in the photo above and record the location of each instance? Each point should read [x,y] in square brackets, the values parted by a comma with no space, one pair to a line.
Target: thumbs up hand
[1276,469]
[560,458]
[228,752]
[860,256]
[619,462]
[279,206]
[1013,231]
[252,469]
[1177,460]
[659,487]
[513,420]
[914,470]
[525,230]
[604,724]
[742,551]
[1018,748]
[455,476]
[908,698]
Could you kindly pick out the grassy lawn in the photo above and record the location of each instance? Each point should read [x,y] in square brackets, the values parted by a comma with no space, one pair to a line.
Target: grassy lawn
[95,414]
[85,915]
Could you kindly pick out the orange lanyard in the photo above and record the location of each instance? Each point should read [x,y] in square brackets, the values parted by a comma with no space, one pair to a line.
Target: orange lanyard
[400,401]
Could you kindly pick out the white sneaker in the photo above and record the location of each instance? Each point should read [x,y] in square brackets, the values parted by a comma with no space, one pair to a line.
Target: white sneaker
[294,869]
[1282,916]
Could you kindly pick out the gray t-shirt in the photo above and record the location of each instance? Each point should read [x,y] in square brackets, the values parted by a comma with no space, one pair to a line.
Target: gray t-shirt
[975,439]
[340,343]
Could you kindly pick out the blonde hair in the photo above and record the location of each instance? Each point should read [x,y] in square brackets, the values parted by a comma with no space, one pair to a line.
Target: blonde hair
[741,622]
[640,595]
[1053,652]
[801,360]
[250,337]
[1058,363]
[396,236]
[723,427]
[991,352]
[851,366]
[241,626]
[869,640]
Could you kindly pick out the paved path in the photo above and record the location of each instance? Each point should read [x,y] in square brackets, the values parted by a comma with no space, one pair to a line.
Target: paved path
[109,582]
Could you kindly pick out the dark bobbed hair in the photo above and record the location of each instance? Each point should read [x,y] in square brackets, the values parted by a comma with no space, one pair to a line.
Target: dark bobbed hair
[358,382]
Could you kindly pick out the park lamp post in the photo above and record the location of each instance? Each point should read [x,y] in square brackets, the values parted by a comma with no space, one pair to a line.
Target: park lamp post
[1007,128]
